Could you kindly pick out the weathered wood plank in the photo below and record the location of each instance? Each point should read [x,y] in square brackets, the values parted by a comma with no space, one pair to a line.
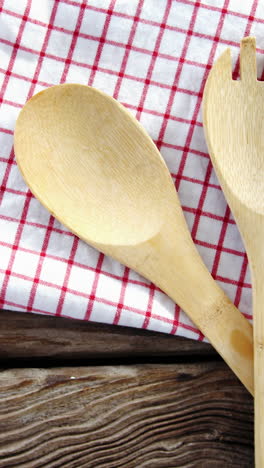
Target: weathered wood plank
[35,336]
[125,416]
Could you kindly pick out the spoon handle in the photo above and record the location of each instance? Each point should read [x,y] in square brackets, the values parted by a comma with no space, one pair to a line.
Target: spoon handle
[174,265]
[229,332]
[231,335]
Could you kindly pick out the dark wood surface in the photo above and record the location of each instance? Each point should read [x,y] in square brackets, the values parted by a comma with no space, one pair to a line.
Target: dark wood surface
[76,394]
[38,336]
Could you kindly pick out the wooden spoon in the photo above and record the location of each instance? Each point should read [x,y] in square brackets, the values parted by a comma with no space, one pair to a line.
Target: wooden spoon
[233,113]
[93,166]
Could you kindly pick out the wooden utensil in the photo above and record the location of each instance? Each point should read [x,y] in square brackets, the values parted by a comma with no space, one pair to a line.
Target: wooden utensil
[93,166]
[233,113]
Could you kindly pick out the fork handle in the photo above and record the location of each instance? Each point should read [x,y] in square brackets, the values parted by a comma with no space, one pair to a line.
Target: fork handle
[258,327]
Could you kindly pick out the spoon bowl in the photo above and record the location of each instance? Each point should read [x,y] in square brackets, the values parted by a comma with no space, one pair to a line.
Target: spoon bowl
[90,181]
[94,167]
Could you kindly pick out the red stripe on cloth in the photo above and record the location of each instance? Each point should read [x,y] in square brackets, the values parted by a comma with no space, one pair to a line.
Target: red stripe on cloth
[154,54]
[154,23]
[223,249]
[113,72]
[94,287]
[220,242]
[182,148]
[149,313]
[61,231]
[43,49]
[198,181]
[5,83]
[231,281]
[10,190]
[201,200]
[108,71]
[178,74]
[121,45]
[73,42]
[31,223]
[225,10]
[14,248]
[6,130]
[122,296]
[64,289]
[241,282]
[9,163]
[246,33]
[176,320]
[39,267]
[145,21]
[128,48]
[198,103]
[15,46]
[108,301]
[129,106]
[12,103]
[101,42]
[139,312]
[8,169]
[160,114]
[75,263]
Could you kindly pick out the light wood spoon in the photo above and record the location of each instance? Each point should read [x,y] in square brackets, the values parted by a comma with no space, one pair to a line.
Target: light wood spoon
[233,114]
[93,166]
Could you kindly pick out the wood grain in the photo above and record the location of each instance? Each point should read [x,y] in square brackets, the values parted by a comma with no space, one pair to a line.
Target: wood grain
[125,416]
[36,336]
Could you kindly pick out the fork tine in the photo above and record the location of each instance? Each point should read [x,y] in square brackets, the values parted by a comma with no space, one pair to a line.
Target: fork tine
[225,65]
[222,68]
[248,66]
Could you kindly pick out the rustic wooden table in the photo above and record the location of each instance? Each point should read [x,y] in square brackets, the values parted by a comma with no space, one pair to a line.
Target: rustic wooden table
[75,394]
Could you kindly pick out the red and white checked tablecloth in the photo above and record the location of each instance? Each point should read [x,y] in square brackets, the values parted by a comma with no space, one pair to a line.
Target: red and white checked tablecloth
[154,57]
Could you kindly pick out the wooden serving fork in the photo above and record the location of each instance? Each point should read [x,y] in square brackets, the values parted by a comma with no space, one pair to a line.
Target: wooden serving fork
[233,116]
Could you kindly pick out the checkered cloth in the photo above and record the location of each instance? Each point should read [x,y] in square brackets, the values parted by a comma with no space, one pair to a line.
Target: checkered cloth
[154,57]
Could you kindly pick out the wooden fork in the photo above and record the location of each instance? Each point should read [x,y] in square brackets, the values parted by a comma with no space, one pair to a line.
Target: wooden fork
[233,116]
